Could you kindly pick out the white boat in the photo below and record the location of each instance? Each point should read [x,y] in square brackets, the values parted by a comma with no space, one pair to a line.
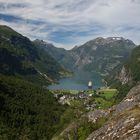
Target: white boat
[89,84]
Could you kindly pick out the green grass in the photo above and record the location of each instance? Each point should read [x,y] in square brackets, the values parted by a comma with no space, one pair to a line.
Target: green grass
[65,91]
[108,93]
[103,104]
[106,98]
[108,90]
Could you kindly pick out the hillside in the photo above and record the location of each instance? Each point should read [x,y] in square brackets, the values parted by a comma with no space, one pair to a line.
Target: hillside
[88,118]
[130,71]
[120,121]
[124,120]
[100,55]
[127,76]
[20,57]
[62,56]
[133,64]
[27,111]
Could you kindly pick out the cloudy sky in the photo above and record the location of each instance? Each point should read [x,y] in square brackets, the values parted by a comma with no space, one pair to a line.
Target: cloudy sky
[67,23]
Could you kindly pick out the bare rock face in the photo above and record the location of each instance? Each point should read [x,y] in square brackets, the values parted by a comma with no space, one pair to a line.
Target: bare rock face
[102,54]
[124,121]
[124,76]
[97,114]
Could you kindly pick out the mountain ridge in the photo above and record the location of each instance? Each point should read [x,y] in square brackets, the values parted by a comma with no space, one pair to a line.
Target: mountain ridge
[101,54]
[26,59]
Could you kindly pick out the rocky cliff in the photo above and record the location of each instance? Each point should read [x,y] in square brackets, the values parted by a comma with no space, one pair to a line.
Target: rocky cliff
[124,120]
[125,75]
[102,54]
[129,73]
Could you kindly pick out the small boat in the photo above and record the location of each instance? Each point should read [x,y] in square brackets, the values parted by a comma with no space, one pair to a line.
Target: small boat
[90,84]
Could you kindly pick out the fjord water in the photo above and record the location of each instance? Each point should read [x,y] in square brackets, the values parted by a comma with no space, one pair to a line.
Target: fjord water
[79,81]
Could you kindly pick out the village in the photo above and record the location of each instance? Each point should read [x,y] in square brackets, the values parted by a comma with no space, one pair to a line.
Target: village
[89,99]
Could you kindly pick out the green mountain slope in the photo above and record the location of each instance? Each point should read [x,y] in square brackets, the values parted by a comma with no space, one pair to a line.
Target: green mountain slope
[19,56]
[62,56]
[27,112]
[129,72]
[133,64]
[127,75]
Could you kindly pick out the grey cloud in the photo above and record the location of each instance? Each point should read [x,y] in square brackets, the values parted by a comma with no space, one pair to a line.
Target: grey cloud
[75,15]
[4,6]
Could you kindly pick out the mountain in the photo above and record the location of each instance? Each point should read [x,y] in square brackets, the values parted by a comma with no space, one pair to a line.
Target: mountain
[133,64]
[129,72]
[62,56]
[20,57]
[102,54]
[27,112]
[127,75]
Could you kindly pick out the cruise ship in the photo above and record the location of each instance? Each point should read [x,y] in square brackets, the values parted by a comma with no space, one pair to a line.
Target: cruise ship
[90,84]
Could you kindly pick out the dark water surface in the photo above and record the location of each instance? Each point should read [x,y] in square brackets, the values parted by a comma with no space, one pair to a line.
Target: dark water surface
[78,81]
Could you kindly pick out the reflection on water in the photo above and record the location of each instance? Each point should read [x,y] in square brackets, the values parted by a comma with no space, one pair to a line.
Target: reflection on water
[78,82]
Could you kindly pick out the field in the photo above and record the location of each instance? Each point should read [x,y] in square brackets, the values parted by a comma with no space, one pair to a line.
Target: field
[108,93]
[106,97]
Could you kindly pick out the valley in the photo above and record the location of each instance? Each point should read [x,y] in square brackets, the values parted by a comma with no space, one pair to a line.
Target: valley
[44,91]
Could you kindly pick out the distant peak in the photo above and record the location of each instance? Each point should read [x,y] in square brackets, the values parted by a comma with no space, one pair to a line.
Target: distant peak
[98,39]
[40,42]
[115,38]
[5,26]
[111,39]
[43,43]
[8,31]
